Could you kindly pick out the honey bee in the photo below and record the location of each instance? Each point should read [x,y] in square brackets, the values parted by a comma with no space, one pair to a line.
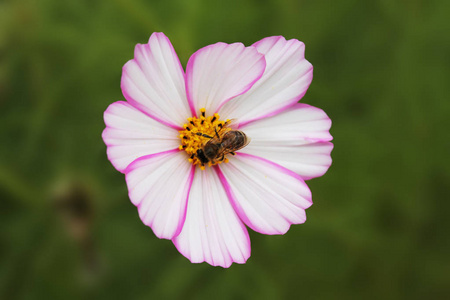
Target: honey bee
[225,141]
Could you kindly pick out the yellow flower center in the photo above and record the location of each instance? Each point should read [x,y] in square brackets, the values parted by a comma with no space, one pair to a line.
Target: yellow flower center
[199,131]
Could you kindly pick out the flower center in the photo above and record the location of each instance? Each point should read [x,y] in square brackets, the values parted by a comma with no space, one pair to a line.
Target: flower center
[201,139]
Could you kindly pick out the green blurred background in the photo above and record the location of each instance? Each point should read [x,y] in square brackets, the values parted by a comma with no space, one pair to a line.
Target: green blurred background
[379,226]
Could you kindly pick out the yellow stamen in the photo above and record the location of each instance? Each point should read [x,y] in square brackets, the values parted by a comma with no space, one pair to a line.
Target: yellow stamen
[197,132]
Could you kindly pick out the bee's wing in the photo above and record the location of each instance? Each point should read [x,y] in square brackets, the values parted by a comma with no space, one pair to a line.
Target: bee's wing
[214,140]
[225,151]
[232,124]
[247,141]
[222,129]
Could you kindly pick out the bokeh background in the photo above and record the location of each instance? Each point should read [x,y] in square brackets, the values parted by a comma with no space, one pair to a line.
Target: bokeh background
[379,226]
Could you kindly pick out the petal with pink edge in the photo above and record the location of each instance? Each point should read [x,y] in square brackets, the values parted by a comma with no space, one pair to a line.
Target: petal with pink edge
[217,73]
[159,185]
[298,139]
[212,231]
[267,197]
[308,160]
[154,82]
[286,78]
[298,125]
[130,134]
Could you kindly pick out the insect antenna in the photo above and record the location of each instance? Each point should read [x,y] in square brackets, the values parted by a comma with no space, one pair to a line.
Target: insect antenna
[204,135]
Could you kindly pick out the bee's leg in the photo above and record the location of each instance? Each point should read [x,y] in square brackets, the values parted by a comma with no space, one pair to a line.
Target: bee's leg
[232,153]
[217,134]
[222,158]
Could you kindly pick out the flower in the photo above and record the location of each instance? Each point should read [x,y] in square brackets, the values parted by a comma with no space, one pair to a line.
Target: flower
[202,204]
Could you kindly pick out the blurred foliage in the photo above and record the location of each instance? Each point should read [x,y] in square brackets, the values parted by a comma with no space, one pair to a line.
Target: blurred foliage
[379,228]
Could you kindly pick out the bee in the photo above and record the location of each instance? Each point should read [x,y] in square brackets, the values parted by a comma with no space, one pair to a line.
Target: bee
[225,141]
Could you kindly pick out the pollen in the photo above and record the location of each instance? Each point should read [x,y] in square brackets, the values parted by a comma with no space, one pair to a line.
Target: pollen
[197,132]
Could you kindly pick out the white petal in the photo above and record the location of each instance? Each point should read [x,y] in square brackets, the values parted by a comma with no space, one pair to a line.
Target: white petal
[286,78]
[159,186]
[130,134]
[212,231]
[154,82]
[297,139]
[266,196]
[219,72]
[309,160]
[300,124]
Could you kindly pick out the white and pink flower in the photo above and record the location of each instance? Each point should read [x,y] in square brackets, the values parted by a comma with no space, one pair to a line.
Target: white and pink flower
[204,210]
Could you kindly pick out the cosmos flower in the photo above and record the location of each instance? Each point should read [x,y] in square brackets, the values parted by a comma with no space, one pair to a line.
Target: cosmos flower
[157,138]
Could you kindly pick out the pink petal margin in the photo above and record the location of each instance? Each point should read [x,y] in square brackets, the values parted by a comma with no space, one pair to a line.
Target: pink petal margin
[130,134]
[285,81]
[154,82]
[212,232]
[297,139]
[298,125]
[267,197]
[159,185]
[217,73]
